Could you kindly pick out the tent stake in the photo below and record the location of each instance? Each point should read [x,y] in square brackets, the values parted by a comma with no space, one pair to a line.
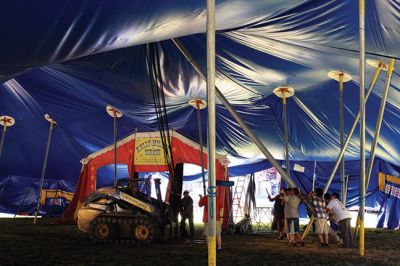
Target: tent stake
[46,155]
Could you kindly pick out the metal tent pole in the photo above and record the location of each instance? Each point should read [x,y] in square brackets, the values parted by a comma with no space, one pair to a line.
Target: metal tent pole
[115,149]
[199,104]
[212,216]
[5,121]
[201,148]
[286,136]
[115,114]
[284,93]
[353,128]
[46,155]
[3,136]
[362,123]
[236,116]
[341,77]
[342,151]
[342,169]
[376,134]
[379,122]
[314,176]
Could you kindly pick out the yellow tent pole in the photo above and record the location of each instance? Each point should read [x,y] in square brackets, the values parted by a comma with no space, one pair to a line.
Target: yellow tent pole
[211,95]
[308,228]
[362,122]
[377,131]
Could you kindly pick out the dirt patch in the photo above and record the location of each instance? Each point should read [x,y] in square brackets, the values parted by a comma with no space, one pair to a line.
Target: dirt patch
[23,243]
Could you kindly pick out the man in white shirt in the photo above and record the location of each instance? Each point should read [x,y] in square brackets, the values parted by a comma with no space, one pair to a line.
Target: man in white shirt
[336,207]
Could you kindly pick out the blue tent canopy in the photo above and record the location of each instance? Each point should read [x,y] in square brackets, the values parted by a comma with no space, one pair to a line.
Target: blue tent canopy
[71,58]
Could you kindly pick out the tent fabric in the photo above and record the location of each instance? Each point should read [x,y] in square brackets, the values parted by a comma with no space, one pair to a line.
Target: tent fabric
[183,151]
[71,59]
[20,194]
[389,213]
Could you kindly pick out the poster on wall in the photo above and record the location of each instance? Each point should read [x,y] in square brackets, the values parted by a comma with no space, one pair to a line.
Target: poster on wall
[149,151]
[267,182]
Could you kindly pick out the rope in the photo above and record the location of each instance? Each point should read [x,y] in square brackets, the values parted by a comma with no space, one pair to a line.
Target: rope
[157,88]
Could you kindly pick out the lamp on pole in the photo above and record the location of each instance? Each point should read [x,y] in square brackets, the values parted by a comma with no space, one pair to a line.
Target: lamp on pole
[115,114]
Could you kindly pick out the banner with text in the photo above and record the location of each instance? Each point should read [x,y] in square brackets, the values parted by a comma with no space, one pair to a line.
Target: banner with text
[149,151]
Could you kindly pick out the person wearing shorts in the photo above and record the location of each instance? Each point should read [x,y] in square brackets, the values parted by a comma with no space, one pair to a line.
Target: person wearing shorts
[321,217]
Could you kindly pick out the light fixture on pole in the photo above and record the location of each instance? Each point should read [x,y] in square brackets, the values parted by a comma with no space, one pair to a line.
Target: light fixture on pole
[284,93]
[200,104]
[341,77]
[46,155]
[114,113]
[5,121]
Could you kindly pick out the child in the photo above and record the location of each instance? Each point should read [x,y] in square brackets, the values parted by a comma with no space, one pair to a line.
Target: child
[292,201]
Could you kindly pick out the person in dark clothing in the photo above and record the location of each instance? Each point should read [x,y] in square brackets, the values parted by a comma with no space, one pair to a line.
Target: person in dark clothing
[279,215]
[187,213]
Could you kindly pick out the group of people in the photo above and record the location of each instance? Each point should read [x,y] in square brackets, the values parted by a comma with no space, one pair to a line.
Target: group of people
[332,219]
[187,214]
[324,208]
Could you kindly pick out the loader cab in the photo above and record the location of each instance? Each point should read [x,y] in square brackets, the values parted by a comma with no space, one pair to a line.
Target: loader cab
[131,186]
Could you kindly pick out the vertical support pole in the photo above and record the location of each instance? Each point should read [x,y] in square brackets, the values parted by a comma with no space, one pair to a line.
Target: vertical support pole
[115,114]
[201,147]
[6,121]
[353,128]
[362,123]
[211,239]
[342,169]
[46,155]
[285,121]
[115,147]
[314,175]
[3,136]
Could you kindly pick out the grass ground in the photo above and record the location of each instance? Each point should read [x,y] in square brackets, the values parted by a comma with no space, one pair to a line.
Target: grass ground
[52,244]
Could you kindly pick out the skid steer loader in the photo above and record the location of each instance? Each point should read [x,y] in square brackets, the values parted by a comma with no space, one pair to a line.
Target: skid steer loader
[123,214]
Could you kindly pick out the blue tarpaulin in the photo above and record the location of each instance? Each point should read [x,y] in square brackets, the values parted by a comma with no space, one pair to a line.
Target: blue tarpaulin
[71,58]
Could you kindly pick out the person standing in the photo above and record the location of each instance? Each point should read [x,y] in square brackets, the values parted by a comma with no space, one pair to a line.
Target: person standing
[292,201]
[203,202]
[336,207]
[321,217]
[279,213]
[187,213]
